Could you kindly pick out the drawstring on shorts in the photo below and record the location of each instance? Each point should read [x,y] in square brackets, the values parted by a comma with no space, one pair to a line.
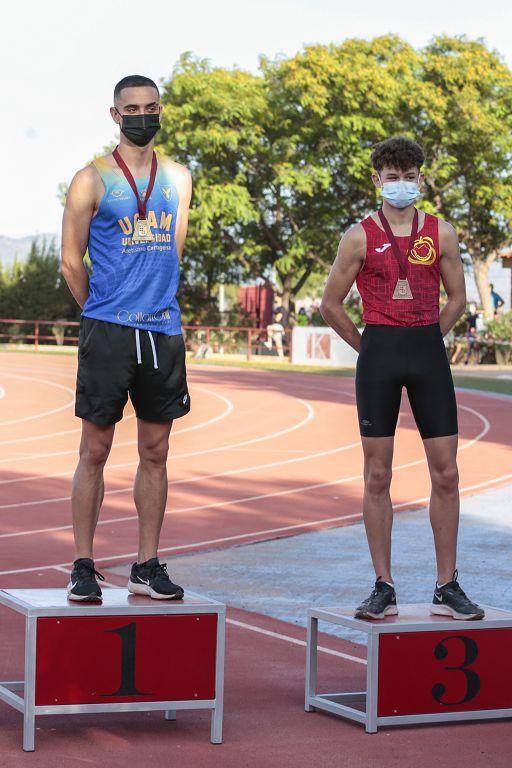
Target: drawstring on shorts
[153,347]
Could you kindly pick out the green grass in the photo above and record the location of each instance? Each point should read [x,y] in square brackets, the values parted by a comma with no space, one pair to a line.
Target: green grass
[491,384]
[502,386]
[270,366]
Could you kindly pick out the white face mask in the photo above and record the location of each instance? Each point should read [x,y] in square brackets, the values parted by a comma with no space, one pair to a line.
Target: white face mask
[400,194]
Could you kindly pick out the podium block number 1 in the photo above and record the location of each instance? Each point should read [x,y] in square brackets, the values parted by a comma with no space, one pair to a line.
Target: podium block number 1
[98,659]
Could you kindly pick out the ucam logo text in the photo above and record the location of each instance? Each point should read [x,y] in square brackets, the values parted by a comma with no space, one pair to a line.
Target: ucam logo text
[128,225]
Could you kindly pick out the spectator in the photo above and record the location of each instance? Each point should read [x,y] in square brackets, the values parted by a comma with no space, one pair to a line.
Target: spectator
[471,332]
[497,301]
[302,318]
[275,331]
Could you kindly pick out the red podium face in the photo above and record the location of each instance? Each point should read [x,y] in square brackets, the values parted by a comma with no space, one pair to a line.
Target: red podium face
[425,672]
[102,659]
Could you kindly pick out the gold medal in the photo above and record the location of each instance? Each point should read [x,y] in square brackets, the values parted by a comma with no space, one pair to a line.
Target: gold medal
[141,230]
[402,287]
[402,290]
[142,233]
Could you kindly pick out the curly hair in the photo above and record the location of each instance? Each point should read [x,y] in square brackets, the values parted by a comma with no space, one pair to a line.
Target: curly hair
[397,152]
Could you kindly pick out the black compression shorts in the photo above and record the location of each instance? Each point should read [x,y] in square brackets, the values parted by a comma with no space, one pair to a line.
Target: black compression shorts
[115,361]
[392,357]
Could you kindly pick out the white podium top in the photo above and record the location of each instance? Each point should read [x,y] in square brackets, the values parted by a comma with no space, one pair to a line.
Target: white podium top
[116,602]
[411,618]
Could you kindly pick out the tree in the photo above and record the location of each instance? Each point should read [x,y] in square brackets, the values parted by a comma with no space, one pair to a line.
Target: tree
[464,119]
[281,160]
[35,289]
[212,124]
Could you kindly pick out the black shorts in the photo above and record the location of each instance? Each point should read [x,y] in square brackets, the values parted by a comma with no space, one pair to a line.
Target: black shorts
[392,357]
[115,361]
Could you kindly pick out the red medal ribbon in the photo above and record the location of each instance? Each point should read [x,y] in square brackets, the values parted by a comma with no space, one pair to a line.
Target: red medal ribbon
[402,260]
[131,181]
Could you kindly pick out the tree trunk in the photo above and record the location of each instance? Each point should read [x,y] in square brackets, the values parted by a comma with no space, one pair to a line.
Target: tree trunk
[287,282]
[481,271]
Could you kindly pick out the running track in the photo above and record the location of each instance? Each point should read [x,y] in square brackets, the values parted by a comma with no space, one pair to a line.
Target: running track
[262,454]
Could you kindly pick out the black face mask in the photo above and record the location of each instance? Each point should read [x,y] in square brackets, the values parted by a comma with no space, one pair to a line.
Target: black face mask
[140,129]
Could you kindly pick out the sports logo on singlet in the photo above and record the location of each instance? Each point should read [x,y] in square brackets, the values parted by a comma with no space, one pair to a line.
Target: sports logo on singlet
[423,252]
[117,195]
[166,192]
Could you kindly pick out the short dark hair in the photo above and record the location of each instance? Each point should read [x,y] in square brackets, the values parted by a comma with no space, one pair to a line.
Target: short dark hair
[397,152]
[134,81]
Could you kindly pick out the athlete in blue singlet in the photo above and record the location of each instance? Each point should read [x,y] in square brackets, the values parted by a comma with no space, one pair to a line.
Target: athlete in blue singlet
[129,209]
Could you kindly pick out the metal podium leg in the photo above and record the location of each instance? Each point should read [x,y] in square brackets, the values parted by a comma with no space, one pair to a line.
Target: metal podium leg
[170,714]
[372,675]
[29,693]
[218,711]
[311,661]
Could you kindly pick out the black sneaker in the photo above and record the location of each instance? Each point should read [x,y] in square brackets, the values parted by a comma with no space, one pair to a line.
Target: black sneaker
[151,578]
[83,585]
[451,600]
[381,603]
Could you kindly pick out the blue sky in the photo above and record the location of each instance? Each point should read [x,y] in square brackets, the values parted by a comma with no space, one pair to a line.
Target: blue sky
[60,60]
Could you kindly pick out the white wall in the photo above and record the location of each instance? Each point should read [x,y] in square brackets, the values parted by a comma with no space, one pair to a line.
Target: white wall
[321,346]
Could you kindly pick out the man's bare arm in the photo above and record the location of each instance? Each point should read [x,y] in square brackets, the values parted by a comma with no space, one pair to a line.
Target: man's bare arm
[183,181]
[80,207]
[346,267]
[452,275]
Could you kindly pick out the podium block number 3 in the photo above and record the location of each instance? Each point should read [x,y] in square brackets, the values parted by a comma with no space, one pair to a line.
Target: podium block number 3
[442,652]
[435,672]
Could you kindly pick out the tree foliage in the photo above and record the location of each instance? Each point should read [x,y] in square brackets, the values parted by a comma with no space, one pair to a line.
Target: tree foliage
[467,132]
[35,289]
[281,160]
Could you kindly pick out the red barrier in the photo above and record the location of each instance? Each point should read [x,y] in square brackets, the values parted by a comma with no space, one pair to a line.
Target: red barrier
[201,340]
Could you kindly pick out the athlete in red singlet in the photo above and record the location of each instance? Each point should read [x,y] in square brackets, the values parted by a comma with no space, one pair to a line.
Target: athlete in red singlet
[398,257]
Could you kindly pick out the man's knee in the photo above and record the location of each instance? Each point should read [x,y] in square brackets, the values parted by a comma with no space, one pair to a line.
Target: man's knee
[445,479]
[378,478]
[154,452]
[95,452]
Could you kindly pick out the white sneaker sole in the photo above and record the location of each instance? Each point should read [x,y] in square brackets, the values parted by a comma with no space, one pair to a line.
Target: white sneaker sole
[92,598]
[391,610]
[145,589]
[445,610]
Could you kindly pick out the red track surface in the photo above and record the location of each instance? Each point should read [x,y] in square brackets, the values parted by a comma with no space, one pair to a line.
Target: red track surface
[262,454]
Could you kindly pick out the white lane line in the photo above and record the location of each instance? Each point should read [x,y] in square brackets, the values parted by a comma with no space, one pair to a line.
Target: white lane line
[281,493]
[293,640]
[228,409]
[36,381]
[47,435]
[194,479]
[267,532]
[214,420]
[128,489]
[202,452]
[246,499]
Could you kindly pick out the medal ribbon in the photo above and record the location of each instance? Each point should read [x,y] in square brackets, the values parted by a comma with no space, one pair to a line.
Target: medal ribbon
[131,181]
[402,260]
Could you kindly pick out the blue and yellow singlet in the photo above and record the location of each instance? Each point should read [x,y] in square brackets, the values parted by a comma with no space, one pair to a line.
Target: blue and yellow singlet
[134,284]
